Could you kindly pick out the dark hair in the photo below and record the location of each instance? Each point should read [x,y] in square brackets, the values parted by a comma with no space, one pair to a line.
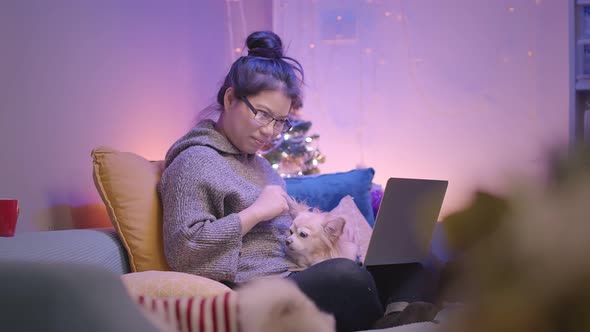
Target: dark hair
[264,68]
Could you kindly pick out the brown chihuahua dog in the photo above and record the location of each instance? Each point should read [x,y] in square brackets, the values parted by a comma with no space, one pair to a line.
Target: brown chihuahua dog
[316,236]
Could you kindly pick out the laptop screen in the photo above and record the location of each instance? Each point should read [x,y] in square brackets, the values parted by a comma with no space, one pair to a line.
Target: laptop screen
[406,219]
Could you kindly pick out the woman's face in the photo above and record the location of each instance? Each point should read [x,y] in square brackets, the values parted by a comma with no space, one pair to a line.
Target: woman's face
[239,125]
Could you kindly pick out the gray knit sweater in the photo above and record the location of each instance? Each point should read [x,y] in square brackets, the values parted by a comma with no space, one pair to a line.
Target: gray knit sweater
[207,181]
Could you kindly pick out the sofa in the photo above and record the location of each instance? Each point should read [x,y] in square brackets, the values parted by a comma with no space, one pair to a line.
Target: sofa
[100,249]
[131,251]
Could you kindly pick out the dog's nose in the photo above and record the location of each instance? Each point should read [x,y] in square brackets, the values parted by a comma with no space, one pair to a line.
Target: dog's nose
[289,240]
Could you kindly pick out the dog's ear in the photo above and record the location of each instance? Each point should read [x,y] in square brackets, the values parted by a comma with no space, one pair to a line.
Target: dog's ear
[333,227]
[296,207]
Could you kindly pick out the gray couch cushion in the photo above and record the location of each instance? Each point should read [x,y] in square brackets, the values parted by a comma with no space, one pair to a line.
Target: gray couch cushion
[66,297]
[87,246]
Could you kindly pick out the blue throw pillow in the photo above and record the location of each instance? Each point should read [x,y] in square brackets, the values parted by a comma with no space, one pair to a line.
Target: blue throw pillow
[325,191]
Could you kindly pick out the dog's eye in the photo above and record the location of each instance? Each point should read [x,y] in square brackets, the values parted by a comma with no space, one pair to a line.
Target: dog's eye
[302,234]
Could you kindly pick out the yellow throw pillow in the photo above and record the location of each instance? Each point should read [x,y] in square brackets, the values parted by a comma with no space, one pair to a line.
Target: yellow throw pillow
[127,185]
[165,284]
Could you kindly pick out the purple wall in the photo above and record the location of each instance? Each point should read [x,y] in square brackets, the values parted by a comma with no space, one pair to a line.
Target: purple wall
[80,74]
[475,92]
[436,89]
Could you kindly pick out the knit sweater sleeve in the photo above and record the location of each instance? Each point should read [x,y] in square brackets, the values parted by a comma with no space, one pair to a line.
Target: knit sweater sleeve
[198,238]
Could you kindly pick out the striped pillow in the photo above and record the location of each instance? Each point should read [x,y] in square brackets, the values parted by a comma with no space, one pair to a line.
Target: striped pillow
[194,314]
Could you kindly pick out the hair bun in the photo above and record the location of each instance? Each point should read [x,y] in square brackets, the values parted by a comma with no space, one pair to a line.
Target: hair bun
[265,44]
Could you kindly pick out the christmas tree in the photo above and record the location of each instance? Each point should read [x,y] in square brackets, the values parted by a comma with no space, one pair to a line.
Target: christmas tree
[294,153]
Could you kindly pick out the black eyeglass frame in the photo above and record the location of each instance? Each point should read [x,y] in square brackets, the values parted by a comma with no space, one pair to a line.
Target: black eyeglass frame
[286,123]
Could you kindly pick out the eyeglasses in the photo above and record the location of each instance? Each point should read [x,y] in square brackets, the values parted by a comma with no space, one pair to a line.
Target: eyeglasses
[264,118]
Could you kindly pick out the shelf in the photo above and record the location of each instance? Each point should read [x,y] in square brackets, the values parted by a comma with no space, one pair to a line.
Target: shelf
[583,85]
[579,34]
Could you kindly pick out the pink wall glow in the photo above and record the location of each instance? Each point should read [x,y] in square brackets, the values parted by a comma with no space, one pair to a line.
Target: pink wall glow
[475,92]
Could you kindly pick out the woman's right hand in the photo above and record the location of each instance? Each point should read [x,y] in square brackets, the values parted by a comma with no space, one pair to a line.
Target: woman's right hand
[272,202]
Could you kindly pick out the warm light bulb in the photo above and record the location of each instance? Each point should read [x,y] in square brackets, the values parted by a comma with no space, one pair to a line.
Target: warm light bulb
[275,166]
[339,18]
[238,50]
[311,45]
[314,162]
[286,136]
[308,139]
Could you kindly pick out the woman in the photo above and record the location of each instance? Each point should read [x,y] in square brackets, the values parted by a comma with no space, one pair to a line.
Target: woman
[225,208]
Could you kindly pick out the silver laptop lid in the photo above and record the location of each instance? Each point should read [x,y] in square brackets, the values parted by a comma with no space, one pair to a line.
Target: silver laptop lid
[406,219]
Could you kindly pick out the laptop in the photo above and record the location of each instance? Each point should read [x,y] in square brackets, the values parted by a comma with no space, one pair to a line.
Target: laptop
[407,215]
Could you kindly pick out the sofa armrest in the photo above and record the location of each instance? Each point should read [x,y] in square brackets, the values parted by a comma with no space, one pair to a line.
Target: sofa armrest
[99,247]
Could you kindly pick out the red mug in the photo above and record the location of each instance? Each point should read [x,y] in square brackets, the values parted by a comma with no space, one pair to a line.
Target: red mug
[8,216]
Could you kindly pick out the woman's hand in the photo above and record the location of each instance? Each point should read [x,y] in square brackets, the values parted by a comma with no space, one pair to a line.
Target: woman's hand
[272,202]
